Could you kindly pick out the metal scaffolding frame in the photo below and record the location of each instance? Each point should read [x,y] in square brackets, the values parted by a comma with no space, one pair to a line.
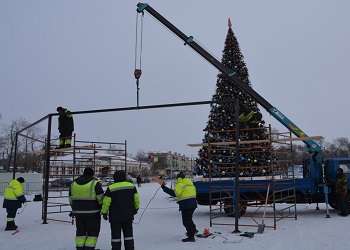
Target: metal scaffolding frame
[251,207]
[69,163]
[48,140]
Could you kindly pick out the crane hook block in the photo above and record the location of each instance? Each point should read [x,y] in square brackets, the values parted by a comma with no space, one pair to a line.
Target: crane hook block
[137,73]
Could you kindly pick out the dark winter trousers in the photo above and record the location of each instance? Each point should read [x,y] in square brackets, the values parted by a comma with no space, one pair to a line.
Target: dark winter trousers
[116,229]
[188,222]
[87,231]
[342,204]
[11,214]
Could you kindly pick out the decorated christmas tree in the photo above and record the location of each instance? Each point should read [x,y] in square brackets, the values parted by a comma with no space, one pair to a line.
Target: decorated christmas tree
[255,158]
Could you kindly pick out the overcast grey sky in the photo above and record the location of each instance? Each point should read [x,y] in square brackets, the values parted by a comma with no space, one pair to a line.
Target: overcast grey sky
[80,55]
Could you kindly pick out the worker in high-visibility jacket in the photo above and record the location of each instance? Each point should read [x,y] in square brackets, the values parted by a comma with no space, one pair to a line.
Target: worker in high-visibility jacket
[65,127]
[120,203]
[250,119]
[185,193]
[85,197]
[13,199]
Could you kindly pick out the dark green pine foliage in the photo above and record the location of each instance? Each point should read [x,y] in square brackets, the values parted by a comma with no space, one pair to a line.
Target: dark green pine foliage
[254,158]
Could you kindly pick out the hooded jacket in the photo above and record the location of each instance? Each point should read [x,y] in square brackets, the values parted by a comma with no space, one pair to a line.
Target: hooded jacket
[65,122]
[121,199]
[341,183]
[185,193]
[14,195]
[85,196]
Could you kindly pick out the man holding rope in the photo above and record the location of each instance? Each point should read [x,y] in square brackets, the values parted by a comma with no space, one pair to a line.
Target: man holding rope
[13,199]
[185,193]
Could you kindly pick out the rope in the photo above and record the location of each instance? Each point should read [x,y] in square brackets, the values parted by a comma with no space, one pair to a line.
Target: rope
[147,206]
[226,240]
[24,206]
[138,70]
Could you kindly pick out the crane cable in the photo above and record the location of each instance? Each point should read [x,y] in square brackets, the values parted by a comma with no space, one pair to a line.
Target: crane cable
[138,53]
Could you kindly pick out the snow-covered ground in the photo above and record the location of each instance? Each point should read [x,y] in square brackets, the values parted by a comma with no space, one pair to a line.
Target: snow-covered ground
[159,226]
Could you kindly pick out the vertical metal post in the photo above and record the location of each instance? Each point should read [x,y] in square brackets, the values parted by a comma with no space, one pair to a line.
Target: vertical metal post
[191,165]
[74,157]
[126,167]
[25,155]
[47,169]
[171,167]
[8,164]
[3,160]
[15,157]
[237,208]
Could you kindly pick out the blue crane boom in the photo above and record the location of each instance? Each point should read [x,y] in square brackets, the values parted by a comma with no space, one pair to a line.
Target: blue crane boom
[313,147]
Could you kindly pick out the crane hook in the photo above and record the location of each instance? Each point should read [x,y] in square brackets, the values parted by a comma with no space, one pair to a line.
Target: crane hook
[137,73]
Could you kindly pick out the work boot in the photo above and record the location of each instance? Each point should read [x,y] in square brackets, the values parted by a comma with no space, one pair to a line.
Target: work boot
[67,146]
[10,226]
[195,232]
[189,239]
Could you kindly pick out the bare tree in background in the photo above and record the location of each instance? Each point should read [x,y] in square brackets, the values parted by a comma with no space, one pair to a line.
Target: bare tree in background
[26,162]
[141,156]
[339,147]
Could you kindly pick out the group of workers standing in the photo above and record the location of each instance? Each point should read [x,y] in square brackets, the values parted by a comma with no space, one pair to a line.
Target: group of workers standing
[118,204]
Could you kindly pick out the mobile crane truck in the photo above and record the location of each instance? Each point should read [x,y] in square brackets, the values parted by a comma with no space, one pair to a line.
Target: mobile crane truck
[312,188]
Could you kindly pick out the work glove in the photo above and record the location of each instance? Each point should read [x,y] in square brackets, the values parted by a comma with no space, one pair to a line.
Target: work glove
[105,216]
[71,215]
[135,211]
[343,192]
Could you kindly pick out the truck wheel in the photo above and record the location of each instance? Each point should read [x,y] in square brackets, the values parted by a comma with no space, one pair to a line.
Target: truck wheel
[230,210]
[332,201]
[347,202]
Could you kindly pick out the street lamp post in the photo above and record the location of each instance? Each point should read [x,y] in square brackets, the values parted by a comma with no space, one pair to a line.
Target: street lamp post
[192,164]
[171,167]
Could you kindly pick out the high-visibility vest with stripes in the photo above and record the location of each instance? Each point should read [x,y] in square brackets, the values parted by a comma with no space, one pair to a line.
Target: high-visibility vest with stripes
[84,199]
[14,195]
[184,189]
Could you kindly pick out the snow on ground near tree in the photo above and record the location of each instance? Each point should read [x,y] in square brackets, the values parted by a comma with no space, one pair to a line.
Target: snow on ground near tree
[160,227]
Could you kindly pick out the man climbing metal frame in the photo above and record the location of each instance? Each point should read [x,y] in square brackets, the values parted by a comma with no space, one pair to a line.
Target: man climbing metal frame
[65,127]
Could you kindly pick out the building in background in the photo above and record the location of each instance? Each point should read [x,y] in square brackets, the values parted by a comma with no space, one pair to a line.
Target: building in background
[103,164]
[169,164]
